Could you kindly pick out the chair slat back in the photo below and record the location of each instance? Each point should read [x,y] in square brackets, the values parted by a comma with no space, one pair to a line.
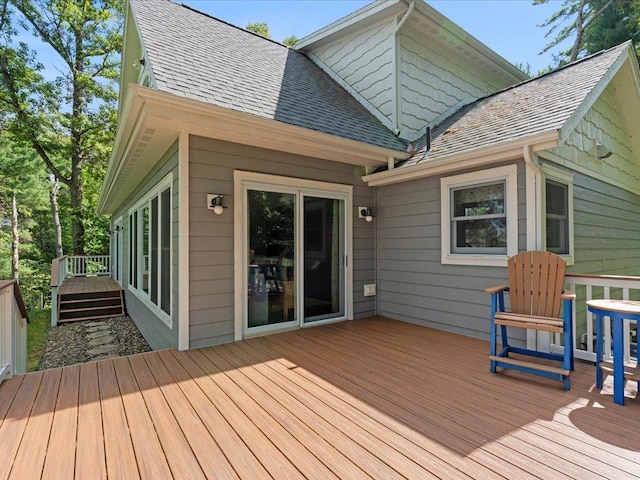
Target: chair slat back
[536,281]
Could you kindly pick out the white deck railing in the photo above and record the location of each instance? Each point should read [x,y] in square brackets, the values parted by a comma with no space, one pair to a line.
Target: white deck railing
[588,287]
[83,265]
[13,331]
[74,266]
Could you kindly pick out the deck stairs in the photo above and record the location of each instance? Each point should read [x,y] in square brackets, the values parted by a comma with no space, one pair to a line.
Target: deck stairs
[90,305]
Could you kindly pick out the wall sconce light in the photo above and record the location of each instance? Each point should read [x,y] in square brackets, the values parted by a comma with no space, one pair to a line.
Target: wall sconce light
[366,213]
[214,202]
[600,151]
[117,228]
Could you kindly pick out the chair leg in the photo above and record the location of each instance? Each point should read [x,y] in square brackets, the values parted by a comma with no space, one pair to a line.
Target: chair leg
[493,333]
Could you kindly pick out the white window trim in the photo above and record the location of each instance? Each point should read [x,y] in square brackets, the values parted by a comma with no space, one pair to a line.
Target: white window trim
[166,182]
[244,180]
[566,178]
[508,174]
[118,245]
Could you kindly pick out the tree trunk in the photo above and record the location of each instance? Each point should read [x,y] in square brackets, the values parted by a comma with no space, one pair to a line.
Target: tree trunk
[77,227]
[15,257]
[56,219]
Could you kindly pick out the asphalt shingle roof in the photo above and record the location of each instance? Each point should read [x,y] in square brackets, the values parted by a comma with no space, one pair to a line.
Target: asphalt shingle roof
[533,107]
[199,57]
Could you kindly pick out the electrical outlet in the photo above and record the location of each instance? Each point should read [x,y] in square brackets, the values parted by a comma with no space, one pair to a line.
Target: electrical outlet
[370,290]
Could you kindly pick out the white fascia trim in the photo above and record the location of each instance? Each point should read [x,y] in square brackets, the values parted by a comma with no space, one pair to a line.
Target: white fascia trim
[579,113]
[188,114]
[183,242]
[126,131]
[369,14]
[468,159]
[465,37]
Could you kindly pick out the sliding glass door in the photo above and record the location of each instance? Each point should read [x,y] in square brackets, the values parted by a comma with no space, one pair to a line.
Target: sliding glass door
[324,258]
[271,242]
[296,256]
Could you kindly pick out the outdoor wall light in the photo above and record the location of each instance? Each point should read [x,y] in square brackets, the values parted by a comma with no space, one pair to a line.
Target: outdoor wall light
[366,213]
[601,152]
[214,202]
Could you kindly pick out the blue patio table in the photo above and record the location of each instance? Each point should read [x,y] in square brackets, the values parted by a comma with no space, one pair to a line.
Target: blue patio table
[617,310]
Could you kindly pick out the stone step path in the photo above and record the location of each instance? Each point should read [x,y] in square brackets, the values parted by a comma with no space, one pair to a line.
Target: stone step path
[91,340]
[100,340]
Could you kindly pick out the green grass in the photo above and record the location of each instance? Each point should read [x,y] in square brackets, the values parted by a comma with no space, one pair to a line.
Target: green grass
[39,323]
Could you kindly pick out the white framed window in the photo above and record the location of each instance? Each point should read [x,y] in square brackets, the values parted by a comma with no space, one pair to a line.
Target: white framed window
[150,247]
[480,217]
[557,207]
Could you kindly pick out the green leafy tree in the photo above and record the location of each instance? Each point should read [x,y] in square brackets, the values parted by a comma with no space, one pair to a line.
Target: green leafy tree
[260,28]
[24,184]
[70,120]
[593,25]
[290,41]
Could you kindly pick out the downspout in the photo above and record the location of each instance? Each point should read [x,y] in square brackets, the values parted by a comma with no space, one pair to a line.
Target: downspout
[533,198]
[533,187]
[396,63]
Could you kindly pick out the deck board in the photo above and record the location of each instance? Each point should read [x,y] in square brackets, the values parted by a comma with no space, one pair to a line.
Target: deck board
[371,398]
[75,285]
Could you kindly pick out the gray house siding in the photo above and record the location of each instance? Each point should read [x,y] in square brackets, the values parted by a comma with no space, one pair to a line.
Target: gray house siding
[211,268]
[607,228]
[413,284]
[155,331]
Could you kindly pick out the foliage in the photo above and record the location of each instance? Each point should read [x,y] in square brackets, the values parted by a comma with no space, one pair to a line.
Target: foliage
[68,120]
[39,324]
[290,41]
[593,25]
[260,28]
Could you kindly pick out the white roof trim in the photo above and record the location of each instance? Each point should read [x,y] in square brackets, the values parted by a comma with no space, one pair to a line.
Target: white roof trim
[170,115]
[483,156]
[369,14]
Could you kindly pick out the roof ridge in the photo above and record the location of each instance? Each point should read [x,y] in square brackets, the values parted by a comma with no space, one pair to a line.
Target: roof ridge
[188,7]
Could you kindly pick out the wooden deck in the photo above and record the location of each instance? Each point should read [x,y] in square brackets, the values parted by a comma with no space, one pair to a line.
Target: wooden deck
[79,285]
[366,399]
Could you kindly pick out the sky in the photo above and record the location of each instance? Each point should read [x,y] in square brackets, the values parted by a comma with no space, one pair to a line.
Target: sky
[509,27]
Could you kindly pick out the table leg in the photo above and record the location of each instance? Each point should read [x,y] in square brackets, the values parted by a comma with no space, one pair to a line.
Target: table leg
[599,321]
[618,361]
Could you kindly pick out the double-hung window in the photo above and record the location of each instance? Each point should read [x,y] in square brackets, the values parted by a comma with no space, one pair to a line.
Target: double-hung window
[150,249]
[558,211]
[479,217]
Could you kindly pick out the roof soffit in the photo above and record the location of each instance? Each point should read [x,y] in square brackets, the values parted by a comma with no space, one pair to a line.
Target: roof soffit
[154,121]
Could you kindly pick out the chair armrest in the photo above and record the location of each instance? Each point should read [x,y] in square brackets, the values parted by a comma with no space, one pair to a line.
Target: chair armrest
[498,289]
[568,295]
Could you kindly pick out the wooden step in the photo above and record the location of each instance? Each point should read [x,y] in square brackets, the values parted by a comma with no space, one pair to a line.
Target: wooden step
[533,365]
[90,306]
[101,312]
[90,295]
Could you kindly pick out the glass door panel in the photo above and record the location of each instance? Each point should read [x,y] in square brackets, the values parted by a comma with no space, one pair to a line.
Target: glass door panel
[324,254]
[271,230]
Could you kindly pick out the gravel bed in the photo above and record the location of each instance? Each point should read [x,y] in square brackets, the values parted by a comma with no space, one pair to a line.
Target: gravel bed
[68,343]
